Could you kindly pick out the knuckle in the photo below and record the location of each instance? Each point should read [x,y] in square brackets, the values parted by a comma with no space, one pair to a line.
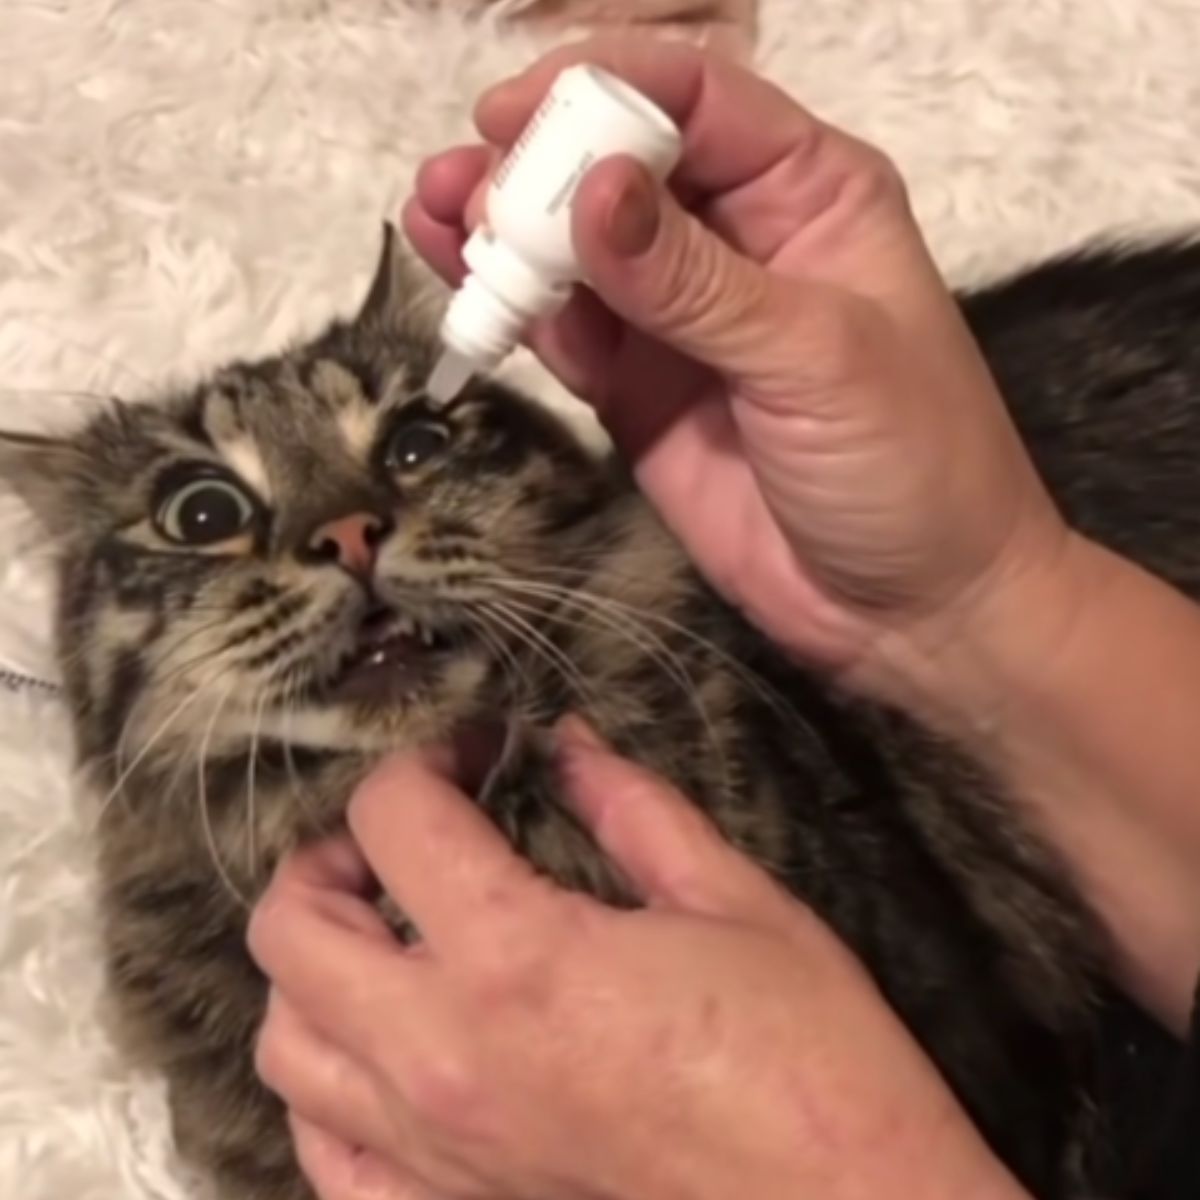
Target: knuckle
[262,926]
[708,869]
[440,1087]
[508,967]
[725,892]
[688,887]
[513,964]
[874,182]
[375,791]
[694,286]
[647,791]
[270,1056]
[841,339]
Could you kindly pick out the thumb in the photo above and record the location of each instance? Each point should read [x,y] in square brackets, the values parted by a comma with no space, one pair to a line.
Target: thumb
[663,271]
[666,847]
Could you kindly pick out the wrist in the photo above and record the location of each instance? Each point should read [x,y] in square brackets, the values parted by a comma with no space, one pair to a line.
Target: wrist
[1076,683]
[947,1161]
[964,669]
[860,1137]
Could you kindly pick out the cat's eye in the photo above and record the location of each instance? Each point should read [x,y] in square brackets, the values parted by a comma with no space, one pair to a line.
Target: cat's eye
[204,511]
[413,443]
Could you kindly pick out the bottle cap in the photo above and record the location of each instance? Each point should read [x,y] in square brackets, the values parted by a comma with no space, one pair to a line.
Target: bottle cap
[496,301]
[522,260]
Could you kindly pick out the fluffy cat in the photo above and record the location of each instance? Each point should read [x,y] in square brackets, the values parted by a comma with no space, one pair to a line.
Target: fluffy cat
[267,580]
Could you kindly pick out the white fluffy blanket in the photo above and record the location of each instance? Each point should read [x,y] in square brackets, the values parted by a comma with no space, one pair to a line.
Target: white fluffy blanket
[186,180]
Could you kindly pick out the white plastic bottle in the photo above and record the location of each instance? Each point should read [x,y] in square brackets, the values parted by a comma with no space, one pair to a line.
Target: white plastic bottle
[521,257]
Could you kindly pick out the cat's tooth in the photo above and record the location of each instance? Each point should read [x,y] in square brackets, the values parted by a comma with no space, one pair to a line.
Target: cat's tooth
[406,625]
[425,634]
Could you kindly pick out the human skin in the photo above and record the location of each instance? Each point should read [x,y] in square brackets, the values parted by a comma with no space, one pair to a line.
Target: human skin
[724,26]
[718,1041]
[804,405]
[787,373]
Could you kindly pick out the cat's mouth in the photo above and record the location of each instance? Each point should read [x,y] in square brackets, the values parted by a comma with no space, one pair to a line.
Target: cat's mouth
[390,658]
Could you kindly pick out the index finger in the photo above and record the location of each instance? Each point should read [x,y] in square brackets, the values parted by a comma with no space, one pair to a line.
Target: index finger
[326,948]
[736,126]
[438,856]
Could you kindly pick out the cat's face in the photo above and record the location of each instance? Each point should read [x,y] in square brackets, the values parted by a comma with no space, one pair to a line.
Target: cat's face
[303,549]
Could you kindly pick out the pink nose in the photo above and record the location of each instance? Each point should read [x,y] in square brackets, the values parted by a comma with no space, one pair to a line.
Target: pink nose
[353,541]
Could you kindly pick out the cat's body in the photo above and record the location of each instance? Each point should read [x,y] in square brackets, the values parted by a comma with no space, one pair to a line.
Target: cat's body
[181,660]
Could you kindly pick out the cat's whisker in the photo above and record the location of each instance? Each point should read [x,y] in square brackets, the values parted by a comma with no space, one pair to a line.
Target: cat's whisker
[649,644]
[169,650]
[761,688]
[166,653]
[205,816]
[159,650]
[251,765]
[509,664]
[589,605]
[162,652]
[542,647]
[300,792]
[506,625]
[523,700]
[147,747]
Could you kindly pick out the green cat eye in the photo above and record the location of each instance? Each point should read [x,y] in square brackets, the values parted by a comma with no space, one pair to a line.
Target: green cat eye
[413,443]
[204,511]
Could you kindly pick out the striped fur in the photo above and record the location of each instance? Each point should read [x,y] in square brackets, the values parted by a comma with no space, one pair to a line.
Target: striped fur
[194,679]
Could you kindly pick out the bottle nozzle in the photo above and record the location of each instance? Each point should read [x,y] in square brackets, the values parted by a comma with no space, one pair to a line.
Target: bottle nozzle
[521,258]
[451,374]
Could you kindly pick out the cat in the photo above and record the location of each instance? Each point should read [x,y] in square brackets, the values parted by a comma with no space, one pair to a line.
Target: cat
[269,579]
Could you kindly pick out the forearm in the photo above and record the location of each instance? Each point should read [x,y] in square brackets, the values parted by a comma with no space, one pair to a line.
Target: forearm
[1081,688]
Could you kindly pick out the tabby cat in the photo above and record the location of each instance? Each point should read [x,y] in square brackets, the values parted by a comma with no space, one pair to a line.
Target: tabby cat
[267,580]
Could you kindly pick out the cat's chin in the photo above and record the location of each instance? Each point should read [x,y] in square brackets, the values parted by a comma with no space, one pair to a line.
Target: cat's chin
[383,714]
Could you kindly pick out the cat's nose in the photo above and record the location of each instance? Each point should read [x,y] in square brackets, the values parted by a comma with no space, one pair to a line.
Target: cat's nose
[351,541]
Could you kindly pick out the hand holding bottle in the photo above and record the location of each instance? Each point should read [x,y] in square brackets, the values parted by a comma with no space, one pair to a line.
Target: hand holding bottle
[772,346]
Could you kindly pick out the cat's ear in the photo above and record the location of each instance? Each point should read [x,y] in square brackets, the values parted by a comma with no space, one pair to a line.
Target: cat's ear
[43,472]
[395,287]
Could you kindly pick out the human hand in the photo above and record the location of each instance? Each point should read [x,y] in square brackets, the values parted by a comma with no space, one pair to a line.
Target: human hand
[727,26]
[780,360]
[539,1045]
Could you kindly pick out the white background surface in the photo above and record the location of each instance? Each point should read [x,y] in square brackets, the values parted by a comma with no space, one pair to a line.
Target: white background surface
[182,181]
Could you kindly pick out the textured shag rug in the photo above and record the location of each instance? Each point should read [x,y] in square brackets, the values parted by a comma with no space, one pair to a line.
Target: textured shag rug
[182,181]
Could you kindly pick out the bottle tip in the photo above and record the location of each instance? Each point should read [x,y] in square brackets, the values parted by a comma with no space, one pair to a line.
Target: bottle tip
[451,374]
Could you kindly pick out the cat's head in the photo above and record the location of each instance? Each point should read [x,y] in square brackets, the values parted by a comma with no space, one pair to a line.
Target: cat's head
[302,548]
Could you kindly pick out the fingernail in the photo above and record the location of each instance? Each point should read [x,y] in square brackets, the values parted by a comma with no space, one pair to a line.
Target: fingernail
[633,219]
[498,93]
[579,749]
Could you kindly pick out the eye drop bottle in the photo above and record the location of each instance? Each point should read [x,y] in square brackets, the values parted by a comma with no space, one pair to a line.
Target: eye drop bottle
[521,258]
